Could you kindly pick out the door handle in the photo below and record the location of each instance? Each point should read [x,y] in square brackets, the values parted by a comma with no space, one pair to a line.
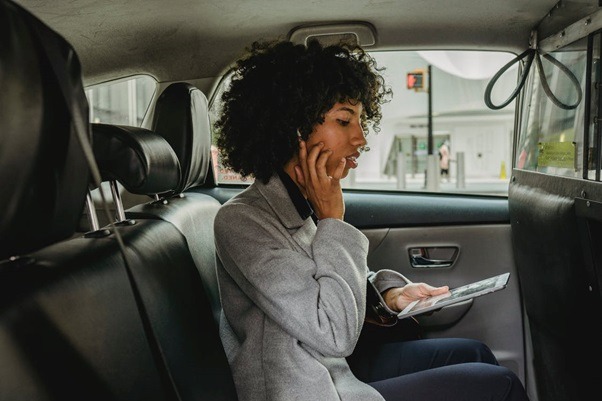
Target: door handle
[433,257]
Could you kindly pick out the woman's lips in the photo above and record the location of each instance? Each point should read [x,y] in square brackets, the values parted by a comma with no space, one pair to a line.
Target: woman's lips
[352,161]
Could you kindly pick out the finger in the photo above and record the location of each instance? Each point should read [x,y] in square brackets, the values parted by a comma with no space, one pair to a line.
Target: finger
[321,164]
[429,290]
[312,160]
[300,176]
[420,290]
[439,290]
[303,158]
[338,173]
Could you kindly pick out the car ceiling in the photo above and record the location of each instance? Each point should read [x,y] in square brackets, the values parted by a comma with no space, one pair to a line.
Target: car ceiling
[193,39]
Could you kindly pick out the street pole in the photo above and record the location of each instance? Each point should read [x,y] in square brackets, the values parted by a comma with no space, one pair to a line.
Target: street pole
[432,167]
[430,111]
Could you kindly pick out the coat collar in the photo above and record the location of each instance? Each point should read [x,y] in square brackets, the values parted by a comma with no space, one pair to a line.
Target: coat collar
[277,196]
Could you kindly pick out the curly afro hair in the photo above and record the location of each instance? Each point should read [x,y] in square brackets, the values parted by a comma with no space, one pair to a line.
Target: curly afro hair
[280,89]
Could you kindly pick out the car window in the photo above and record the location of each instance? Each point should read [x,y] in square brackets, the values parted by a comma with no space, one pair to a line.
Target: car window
[476,142]
[121,102]
[551,136]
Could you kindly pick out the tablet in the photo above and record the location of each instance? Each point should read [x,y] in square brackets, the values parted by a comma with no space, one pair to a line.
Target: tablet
[455,295]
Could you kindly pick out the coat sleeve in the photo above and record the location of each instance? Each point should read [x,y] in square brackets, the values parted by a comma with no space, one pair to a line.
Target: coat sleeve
[317,299]
[383,280]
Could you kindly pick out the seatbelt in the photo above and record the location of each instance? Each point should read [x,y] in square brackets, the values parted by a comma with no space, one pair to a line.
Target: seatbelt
[53,54]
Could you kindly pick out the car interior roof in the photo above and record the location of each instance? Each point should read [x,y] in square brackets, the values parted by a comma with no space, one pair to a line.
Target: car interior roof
[119,39]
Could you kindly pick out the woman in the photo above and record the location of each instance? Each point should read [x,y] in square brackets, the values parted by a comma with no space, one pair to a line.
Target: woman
[293,273]
[444,159]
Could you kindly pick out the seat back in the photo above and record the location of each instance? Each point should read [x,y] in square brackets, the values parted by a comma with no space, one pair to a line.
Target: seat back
[171,288]
[117,314]
[69,324]
[43,171]
[182,118]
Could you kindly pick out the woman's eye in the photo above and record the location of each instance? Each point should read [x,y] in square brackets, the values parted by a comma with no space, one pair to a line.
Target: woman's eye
[344,123]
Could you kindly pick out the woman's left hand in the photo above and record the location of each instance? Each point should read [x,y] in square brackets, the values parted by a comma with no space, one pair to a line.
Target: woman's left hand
[321,189]
[398,298]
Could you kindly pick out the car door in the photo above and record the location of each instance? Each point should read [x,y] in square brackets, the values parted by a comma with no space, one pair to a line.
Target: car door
[448,239]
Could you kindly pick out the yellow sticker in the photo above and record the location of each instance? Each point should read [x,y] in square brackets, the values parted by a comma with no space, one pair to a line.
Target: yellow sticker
[556,154]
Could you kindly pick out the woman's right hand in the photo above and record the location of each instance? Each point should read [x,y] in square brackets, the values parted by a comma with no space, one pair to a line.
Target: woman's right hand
[397,298]
[321,187]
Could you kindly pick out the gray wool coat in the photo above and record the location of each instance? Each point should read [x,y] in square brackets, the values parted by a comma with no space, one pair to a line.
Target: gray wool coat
[293,298]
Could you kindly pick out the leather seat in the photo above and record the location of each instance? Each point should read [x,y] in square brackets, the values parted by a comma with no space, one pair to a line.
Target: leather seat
[182,118]
[43,178]
[70,326]
[170,286]
[119,313]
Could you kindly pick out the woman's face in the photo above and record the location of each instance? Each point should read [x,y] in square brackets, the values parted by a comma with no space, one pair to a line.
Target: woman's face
[342,133]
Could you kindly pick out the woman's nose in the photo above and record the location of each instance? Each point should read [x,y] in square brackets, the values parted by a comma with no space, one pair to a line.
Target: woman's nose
[358,138]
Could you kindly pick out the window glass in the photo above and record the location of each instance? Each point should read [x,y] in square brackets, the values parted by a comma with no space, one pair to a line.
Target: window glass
[593,128]
[223,174]
[121,102]
[551,135]
[477,140]
[125,102]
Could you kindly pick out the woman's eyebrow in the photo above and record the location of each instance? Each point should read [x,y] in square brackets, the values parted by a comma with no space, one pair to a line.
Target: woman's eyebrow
[345,108]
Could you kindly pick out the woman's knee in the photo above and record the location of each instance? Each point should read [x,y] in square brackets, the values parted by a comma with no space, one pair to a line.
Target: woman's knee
[450,351]
[474,351]
[465,381]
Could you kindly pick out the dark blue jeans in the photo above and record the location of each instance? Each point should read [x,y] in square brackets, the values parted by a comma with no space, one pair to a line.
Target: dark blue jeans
[446,369]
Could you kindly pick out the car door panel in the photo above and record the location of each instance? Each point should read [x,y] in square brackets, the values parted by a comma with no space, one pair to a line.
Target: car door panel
[479,229]
[369,209]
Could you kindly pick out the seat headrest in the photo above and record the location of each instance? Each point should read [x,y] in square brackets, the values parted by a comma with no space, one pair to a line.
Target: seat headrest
[139,159]
[182,118]
[43,170]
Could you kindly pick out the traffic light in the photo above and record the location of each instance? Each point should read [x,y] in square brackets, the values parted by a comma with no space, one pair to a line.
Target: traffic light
[416,80]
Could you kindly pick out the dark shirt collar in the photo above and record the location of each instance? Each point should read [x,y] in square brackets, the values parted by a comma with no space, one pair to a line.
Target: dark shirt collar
[301,204]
